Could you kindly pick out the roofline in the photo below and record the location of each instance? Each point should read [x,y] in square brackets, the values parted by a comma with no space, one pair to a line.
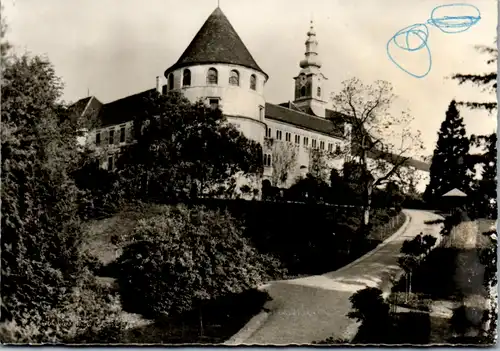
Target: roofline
[87,106]
[187,64]
[321,118]
[307,129]
[303,113]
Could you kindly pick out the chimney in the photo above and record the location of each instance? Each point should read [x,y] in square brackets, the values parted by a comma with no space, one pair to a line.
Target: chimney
[158,84]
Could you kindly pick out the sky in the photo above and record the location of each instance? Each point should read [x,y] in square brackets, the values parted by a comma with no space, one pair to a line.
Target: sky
[115,48]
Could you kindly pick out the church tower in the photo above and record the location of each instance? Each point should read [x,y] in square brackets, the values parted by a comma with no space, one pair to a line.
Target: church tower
[309,93]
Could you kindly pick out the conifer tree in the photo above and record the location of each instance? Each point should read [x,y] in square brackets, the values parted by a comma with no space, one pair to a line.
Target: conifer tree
[449,167]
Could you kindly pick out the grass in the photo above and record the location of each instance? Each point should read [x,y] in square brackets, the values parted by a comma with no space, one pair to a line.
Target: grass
[106,237]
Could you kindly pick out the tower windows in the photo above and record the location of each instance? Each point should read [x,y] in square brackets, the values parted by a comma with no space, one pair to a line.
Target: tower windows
[111,165]
[170,81]
[234,78]
[111,139]
[253,82]
[98,138]
[303,91]
[214,103]
[268,132]
[122,134]
[267,160]
[212,76]
[186,78]
[278,135]
[319,91]
[261,113]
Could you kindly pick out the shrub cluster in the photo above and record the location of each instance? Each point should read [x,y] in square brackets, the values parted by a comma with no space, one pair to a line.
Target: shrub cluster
[185,257]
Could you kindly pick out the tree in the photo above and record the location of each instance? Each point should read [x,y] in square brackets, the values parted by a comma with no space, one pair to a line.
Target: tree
[318,167]
[485,202]
[488,81]
[381,142]
[40,227]
[186,257]
[449,167]
[181,146]
[370,308]
[4,44]
[283,159]
[487,186]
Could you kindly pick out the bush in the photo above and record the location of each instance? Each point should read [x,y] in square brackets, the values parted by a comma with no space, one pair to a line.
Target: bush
[89,314]
[185,257]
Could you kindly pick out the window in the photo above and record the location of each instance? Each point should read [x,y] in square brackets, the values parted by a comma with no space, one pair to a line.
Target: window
[303,91]
[110,163]
[98,138]
[261,113]
[214,103]
[297,139]
[212,76]
[170,81]
[164,89]
[111,136]
[319,91]
[338,149]
[322,145]
[278,135]
[288,136]
[306,141]
[267,160]
[330,147]
[253,82]
[268,132]
[122,134]
[313,143]
[186,78]
[234,78]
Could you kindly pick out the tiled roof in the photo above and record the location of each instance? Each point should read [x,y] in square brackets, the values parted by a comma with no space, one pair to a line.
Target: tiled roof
[216,42]
[300,119]
[122,110]
[78,107]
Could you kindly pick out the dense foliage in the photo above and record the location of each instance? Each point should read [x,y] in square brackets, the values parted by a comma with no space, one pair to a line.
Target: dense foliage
[185,257]
[40,227]
[449,162]
[183,150]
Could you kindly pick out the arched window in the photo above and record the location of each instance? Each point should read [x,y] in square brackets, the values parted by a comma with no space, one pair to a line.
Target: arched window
[253,82]
[234,77]
[170,81]
[303,91]
[212,76]
[319,91]
[186,78]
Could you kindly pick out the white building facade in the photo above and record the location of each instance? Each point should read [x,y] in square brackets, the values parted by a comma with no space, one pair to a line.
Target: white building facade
[217,68]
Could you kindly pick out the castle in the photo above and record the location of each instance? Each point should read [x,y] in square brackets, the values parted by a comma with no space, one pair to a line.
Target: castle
[217,67]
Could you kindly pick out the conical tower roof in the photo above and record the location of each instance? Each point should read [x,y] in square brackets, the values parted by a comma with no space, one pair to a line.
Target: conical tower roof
[216,42]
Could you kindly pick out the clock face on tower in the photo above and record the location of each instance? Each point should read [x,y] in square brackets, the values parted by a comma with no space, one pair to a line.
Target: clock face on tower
[302,80]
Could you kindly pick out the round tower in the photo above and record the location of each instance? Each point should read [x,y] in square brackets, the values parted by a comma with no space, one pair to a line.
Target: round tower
[218,68]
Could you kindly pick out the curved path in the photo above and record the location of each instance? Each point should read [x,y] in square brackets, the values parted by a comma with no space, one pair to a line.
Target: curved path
[314,308]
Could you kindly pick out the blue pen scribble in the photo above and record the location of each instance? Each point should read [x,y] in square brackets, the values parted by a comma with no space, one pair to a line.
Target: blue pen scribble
[415,37]
[460,23]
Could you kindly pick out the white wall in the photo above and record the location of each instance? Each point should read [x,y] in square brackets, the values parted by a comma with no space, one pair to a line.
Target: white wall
[303,152]
[234,100]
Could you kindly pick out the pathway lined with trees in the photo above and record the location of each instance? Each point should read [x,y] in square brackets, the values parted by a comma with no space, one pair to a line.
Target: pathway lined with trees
[314,308]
